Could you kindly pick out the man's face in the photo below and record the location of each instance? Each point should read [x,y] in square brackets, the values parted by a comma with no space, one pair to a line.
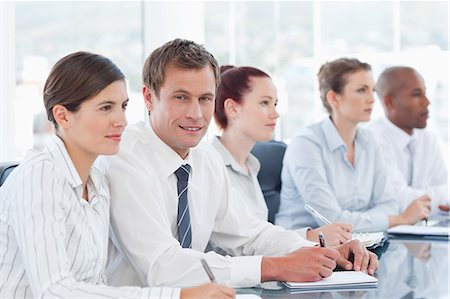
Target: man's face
[409,102]
[181,113]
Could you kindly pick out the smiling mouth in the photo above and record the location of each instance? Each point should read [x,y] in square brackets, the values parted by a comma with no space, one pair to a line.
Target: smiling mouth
[191,129]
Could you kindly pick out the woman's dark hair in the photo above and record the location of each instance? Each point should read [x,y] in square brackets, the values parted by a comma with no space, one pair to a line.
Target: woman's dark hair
[76,78]
[332,76]
[234,84]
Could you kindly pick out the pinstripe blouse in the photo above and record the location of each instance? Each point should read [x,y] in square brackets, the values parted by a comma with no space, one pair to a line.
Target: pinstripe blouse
[53,243]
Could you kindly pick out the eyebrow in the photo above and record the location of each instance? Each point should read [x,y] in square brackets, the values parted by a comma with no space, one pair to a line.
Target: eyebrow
[111,102]
[187,92]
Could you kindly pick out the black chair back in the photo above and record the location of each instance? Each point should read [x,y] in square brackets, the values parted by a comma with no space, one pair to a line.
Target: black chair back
[5,170]
[270,155]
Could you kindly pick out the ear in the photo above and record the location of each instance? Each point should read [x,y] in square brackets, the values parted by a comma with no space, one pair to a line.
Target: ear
[231,108]
[331,97]
[149,97]
[389,103]
[62,116]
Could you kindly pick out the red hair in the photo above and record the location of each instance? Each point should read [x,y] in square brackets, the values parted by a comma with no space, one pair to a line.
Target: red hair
[234,84]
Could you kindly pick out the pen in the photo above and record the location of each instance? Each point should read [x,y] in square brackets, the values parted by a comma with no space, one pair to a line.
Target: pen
[321,240]
[316,214]
[208,270]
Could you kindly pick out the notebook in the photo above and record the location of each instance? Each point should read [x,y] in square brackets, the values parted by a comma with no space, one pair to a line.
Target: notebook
[369,239]
[337,281]
[440,232]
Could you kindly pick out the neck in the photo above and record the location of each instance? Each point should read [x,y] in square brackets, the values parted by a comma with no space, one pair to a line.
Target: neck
[408,130]
[238,145]
[82,161]
[346,129]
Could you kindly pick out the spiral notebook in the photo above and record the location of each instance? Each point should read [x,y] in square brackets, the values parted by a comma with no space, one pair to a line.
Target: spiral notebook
[337,281]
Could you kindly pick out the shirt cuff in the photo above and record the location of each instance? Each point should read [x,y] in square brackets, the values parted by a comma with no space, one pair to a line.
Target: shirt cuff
[245,271]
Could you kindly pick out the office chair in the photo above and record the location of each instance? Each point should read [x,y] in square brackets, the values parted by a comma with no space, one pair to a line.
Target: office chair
[5,169]
[270,155]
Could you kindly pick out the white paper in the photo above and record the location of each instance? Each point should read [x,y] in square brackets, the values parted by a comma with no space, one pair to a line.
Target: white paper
[342,278]
[420,230]
[368,239]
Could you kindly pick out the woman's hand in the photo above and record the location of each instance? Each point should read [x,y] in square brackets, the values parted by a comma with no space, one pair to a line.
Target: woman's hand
[335,233]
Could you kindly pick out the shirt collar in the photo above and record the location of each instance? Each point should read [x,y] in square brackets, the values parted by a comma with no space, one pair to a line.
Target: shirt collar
[334,139]
[399,136]
[58,151]
[96,186]
[172,161]
[229,160]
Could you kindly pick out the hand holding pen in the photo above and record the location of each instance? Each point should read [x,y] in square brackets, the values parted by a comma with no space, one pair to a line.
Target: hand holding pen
[337,233]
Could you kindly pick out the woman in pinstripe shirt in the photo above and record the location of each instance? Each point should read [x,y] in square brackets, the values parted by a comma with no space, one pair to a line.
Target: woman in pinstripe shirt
[54,208]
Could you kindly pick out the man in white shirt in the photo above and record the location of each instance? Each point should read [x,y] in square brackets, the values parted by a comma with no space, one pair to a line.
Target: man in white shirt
[160,234]
[419,170]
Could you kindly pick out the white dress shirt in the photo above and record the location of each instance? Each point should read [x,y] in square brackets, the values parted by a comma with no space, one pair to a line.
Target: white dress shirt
[247,184]
[54,242]
[144,212]
[316,171]
[429,175]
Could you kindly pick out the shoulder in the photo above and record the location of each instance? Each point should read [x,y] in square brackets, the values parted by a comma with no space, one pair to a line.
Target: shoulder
[134,148]
[207,155]
[36,170]
[376,126]
[310,136]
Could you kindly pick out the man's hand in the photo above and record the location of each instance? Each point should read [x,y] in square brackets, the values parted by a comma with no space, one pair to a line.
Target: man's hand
[335,233]
[354,256]
[211,291]
[304,264]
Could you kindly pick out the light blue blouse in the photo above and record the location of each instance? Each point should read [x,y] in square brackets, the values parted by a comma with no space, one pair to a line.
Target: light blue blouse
[316,172]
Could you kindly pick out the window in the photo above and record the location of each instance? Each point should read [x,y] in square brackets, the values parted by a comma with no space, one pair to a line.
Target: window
[288,39]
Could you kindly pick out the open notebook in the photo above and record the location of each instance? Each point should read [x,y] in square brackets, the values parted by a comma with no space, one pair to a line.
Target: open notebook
[438,232]
[337,281]
[369,239]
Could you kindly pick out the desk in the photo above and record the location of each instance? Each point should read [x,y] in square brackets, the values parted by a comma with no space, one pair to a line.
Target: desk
[408,269]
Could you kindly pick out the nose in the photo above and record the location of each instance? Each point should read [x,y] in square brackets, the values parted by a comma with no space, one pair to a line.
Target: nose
[274,113]
[194,110]
[427,101]
[120,119]
[371,98]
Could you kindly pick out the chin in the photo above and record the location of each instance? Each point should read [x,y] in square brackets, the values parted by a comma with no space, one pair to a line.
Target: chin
[110,151]
[265,138]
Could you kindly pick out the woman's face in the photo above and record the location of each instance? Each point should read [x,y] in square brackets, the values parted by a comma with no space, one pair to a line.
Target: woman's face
[96,128]
[355,101]
[256,115]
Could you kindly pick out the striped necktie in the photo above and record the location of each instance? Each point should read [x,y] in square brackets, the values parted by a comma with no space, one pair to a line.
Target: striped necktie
[183,218]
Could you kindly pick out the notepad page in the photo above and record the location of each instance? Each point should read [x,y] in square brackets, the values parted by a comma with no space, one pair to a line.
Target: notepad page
[420,230]
[368,239]
[337,278]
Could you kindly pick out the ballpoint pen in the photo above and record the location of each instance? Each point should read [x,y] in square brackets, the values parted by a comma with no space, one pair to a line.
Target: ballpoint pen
[208,270]
[316,214]
[321,240]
